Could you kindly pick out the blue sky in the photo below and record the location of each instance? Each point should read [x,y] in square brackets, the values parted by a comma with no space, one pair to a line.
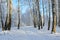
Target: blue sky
[24,7]
[14,3]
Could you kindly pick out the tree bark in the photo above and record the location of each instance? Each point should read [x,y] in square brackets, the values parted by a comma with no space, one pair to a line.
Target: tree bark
[10,12]
[34,14]
[18,14]
[3,28]
[54,16]
[38,14]
[49,15]
[43,21]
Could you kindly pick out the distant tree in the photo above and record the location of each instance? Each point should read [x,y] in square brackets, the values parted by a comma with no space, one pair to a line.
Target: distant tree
[31,10]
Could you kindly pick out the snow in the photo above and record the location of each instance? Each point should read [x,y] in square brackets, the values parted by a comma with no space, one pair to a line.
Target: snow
[28,33]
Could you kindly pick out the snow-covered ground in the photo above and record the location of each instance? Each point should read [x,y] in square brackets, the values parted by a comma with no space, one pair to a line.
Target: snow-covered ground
[29,33]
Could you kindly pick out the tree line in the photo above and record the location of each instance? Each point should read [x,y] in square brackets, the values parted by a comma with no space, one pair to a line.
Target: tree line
[38,19]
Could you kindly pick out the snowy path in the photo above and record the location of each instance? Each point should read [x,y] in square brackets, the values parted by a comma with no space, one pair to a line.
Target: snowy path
[28,33]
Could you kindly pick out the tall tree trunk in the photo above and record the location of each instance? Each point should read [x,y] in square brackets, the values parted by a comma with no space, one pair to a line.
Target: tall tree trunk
[34,14]
[18,14]
[38,14]
[3,28]
[54,16]
[6,22]
[34,21]
[7,25]
[10,12]
[49,15]
[43,21]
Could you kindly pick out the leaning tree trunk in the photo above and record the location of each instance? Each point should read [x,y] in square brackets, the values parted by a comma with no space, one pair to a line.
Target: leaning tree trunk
[54,16]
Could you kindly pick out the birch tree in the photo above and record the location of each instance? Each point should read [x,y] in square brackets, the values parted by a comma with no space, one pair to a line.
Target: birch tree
[1,15]
[34,14]
[18,14]
[43,22]
[10,13]
[54,16]
[49,15]
[38,14]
